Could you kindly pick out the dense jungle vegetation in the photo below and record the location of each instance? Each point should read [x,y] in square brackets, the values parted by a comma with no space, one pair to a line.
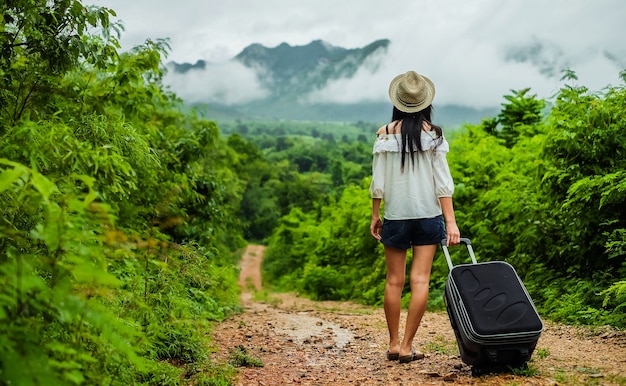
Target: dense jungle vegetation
[123,213]
[119,224]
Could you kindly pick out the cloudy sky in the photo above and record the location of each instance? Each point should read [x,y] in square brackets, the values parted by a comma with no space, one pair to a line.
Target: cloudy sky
[471,49]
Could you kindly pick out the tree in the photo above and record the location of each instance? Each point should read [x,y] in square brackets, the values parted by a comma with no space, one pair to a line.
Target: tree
[43,40]
[520,117]
[585,152]
[118,205]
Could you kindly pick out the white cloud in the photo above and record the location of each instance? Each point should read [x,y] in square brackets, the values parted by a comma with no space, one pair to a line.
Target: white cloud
[460,44]
[225,83]
[363,86]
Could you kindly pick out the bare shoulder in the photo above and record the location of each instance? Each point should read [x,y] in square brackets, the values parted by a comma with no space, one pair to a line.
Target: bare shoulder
[391,128]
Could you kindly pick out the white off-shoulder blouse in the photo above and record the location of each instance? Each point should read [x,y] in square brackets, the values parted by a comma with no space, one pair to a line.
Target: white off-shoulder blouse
[413,193]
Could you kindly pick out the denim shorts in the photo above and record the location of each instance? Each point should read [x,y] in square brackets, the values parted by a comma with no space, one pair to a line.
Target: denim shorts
[403,234]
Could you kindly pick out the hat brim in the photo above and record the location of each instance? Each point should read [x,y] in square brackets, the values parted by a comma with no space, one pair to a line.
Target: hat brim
[393,95]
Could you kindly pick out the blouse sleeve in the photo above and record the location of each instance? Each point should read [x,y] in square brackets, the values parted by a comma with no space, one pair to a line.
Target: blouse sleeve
[444,185]
[377,186]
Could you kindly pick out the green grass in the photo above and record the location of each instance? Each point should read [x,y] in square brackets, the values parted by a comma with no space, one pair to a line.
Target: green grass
[542,353]
[240,357]
[439,344]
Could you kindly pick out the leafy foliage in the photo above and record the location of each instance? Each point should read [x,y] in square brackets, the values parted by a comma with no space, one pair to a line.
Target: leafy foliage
[118,210]
[284,172]
[552,210]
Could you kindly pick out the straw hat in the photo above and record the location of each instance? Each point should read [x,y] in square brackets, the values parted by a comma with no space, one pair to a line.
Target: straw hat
[411,92]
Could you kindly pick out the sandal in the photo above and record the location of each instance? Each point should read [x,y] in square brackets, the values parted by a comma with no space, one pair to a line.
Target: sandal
[393,356]
[413,356]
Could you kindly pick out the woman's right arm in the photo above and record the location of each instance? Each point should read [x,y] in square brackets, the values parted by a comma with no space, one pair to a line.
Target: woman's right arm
[444,187]
[453,235]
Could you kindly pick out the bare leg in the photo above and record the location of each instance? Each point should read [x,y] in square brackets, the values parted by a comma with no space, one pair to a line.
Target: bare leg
[419,279]
[396,273]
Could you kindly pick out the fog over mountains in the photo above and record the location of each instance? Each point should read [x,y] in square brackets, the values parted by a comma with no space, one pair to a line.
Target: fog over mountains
[322,82]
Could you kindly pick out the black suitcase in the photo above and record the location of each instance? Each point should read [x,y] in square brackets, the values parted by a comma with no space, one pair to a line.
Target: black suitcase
[494,319]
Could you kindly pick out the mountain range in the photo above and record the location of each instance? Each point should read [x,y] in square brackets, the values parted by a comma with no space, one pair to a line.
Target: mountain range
[288,77]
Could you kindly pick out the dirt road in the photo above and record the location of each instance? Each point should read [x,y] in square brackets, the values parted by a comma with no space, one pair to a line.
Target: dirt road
[304,342]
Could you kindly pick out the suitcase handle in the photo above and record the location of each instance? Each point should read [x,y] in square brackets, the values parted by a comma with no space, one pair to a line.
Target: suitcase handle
[467,242]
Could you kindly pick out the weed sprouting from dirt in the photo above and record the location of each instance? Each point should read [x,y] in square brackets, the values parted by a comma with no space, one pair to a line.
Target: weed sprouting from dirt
[240,357]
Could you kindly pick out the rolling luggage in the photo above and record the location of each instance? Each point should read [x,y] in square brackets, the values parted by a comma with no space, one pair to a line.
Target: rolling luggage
[494,319]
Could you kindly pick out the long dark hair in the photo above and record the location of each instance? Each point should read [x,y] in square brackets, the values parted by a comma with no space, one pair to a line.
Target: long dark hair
[411,130]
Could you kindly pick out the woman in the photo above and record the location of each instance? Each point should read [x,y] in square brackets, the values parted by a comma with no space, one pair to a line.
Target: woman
[411,175]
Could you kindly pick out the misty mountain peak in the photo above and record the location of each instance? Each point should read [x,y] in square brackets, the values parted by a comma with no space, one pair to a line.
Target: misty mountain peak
[287,68]
[315,63]
[275,82]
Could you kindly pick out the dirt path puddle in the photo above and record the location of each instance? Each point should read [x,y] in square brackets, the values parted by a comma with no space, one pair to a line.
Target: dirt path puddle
[304,328]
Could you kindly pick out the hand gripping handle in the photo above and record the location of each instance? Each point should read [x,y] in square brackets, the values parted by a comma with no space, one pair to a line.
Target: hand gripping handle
[463,240]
